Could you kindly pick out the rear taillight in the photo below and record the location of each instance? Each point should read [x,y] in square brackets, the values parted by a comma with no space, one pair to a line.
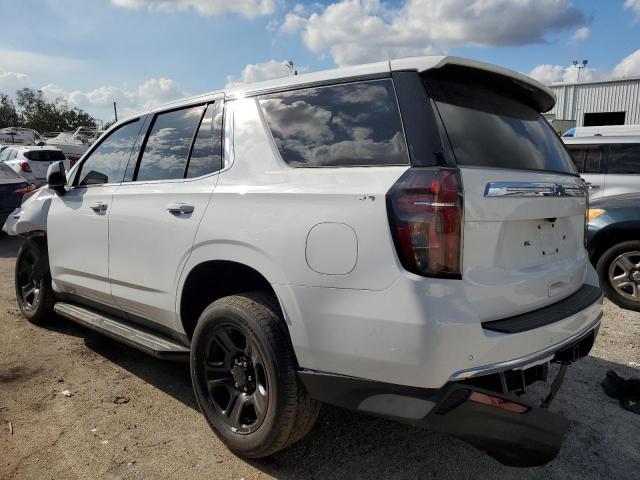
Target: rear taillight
[25,167]
[425,213]
[25,190]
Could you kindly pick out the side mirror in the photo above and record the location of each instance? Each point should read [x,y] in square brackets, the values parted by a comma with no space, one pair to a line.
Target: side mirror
[57,176]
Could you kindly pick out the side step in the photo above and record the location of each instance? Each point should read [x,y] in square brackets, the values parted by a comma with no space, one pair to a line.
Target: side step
[135,336]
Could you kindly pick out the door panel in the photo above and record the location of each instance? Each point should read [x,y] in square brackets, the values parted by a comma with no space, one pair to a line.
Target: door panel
[78,232]
[151,233]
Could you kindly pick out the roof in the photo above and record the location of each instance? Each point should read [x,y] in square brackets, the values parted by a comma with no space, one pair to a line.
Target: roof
[598,139]
[419,64]
[33,147]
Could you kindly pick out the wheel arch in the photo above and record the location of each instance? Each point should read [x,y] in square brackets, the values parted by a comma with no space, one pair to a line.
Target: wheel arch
[612,235]
[210,280]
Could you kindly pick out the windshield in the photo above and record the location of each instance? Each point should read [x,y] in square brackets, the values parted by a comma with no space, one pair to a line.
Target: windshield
[487,127]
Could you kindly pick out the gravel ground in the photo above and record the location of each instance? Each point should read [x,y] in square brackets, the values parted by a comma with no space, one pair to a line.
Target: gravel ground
[131,416]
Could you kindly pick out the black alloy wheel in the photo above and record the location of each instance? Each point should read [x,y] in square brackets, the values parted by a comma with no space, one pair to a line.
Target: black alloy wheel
[33,281]
[236,379]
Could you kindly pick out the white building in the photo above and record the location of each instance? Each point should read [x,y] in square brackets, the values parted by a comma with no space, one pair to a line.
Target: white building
[609,102]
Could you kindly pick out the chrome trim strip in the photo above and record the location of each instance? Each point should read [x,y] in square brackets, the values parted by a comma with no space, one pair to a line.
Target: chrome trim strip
[533,189]
[547,353]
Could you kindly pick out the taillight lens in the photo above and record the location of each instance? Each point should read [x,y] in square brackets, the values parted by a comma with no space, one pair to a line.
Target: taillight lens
[25,190]
[25,167]
[425,213]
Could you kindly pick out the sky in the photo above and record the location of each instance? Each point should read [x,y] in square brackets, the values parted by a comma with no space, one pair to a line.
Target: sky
[142,53]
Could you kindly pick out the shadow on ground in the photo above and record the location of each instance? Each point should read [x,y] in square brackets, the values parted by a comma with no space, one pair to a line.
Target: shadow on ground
[9,246]
[349,445]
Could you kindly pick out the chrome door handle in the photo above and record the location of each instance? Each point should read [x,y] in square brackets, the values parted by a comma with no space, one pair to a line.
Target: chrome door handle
[99,207]
[180,208]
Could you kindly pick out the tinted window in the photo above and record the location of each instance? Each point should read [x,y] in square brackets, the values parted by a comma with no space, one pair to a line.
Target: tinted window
[7,174]
[577,154]
[339,125]
[45,155]
[593,160]
[4,155]
[206,155]
[490,128]
[624,158]
[167,148]
[108,161]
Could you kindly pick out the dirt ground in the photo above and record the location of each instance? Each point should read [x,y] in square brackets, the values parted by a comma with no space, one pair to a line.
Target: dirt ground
[132,416]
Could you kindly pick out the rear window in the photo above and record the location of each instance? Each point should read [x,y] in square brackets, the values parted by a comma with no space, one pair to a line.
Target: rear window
[624,158]
[6,173]
[44,155]
[487,127]
[350,124]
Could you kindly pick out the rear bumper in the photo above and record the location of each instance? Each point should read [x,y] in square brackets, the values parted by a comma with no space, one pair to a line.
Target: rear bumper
[503,425]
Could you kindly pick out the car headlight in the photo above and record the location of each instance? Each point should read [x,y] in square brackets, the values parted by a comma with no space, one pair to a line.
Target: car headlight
[595,213]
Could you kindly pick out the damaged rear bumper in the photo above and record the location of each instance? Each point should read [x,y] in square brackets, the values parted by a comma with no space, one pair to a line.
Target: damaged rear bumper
[485,411]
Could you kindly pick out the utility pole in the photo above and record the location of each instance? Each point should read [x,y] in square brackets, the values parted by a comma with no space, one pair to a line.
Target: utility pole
[292,69]
[580,67]
[115,110]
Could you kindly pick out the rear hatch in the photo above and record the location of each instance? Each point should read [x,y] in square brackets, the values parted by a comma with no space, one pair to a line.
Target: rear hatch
[10,185]
[39,161]
[524,203]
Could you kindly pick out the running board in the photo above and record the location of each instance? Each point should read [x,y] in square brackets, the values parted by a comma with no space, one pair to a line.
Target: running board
[133,335]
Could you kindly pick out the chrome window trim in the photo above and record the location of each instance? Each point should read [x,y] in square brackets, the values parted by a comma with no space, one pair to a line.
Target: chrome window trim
[534,189]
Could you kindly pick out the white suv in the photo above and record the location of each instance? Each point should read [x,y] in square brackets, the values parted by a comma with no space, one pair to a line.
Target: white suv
[32,162]
[403,238]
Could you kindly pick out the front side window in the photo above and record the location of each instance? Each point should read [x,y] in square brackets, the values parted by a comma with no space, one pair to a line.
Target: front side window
[166,151]
[578,154]
[624,158]
[351,124]
[206,154]
[107,163]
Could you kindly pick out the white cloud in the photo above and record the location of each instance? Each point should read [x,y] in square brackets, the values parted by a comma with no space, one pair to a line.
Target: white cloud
[628,66]
[36,63]
[247,8]
[355,31]
[256,72]
[99,101]
[633,5]
[12,81]
[580,35]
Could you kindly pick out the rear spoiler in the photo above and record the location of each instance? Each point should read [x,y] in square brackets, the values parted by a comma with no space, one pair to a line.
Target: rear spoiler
[541,97]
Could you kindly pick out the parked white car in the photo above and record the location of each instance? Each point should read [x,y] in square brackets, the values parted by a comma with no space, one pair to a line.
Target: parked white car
[604,130]
[20,136]
[32,162]
[609,165]
[403,238]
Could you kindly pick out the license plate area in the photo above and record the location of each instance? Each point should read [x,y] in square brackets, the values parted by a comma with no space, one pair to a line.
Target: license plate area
[550,237]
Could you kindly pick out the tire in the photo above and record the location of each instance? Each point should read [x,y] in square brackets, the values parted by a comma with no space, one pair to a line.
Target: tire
[244,376]
[34,293]
[621,262]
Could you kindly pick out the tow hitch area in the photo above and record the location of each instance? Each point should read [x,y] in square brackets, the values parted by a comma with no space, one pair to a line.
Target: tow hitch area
[513,432]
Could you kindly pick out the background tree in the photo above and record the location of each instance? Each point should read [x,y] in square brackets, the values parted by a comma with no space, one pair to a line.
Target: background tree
[32,110]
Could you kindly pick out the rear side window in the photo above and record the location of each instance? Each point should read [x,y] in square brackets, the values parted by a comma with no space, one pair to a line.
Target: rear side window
[624,158]
[107,163]
[206,154]
[587,159]
[487,127]
[351,124]
[167,147]
[12,154]
[45,155]
[4,155]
